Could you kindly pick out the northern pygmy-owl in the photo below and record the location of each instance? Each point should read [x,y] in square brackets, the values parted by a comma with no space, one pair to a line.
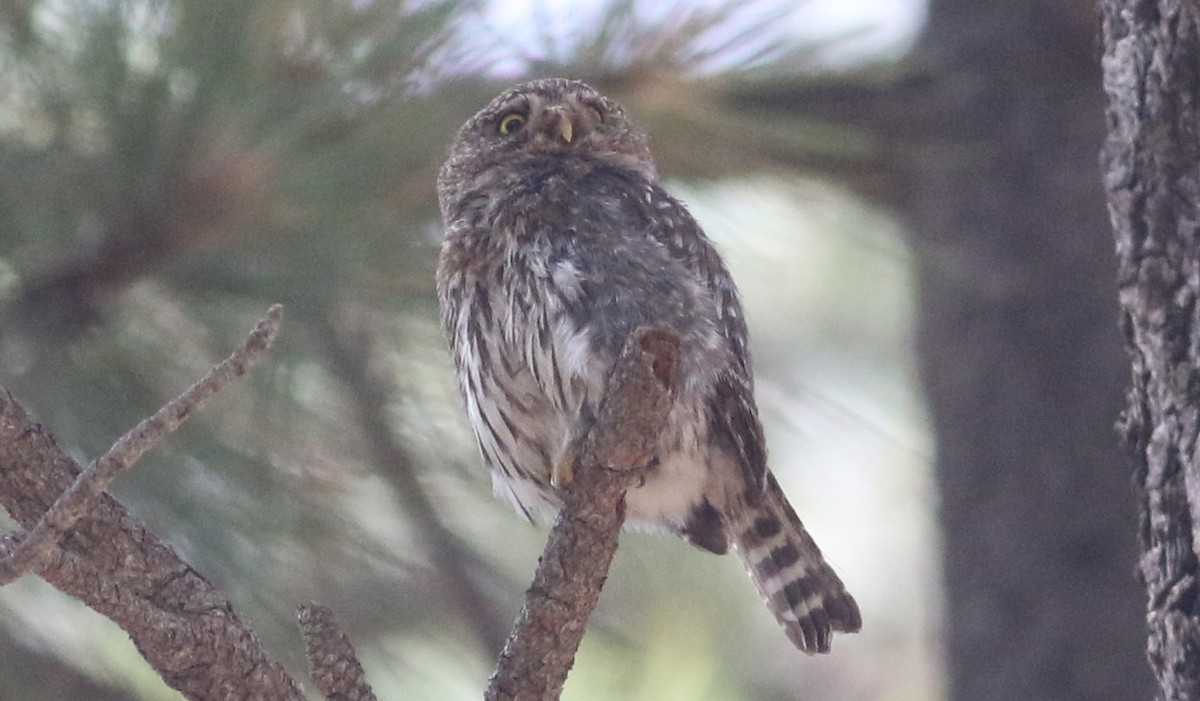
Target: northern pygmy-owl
[560,242]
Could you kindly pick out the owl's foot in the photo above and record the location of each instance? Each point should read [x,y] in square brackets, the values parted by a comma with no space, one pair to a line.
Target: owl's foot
[564,470]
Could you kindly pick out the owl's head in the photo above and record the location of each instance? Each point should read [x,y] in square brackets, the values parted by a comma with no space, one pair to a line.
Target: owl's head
[553,117]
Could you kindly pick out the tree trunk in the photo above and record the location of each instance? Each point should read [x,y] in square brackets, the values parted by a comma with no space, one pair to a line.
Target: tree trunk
[1021,356]
[1152,172]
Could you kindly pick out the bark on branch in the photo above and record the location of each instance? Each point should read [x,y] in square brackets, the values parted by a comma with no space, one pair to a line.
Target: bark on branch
[331,660]
[1152,173]
[185,629]
[607,460]
[31,548]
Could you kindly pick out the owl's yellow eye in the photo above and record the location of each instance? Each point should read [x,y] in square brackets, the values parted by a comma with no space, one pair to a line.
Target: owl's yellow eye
[511,123]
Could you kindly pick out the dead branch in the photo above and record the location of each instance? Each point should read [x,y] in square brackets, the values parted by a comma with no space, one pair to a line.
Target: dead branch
[33,547]
[609,458]
[184,628]
[84,543]
[331,660]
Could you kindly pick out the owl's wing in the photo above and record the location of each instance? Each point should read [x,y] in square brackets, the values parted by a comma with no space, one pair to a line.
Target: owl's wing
[732,410]
[734,422]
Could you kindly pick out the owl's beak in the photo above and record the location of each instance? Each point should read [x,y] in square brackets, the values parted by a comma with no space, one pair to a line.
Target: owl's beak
[559,125]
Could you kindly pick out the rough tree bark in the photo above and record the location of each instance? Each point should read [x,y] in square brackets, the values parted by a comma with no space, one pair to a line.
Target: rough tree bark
[608,458]
[1152,173]
[335,668]
[1020,354]
[986,145]
[96,552]
[82,541]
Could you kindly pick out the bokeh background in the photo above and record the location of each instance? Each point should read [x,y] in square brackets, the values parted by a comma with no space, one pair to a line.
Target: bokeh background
[905,193]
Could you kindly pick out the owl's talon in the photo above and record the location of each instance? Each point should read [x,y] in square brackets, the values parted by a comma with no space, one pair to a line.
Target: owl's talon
[563,472]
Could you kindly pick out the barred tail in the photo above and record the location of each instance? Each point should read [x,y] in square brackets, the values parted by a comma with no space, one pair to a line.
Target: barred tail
[799,587]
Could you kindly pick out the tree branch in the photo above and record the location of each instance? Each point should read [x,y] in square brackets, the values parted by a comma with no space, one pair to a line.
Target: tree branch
[184,628]
[608,459]
[1151,160]
[331,660]
[33,547]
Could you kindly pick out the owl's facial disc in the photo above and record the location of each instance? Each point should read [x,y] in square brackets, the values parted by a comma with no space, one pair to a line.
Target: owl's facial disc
[550,118]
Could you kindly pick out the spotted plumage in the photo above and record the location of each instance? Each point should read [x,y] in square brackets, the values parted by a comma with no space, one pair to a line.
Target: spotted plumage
[560,242]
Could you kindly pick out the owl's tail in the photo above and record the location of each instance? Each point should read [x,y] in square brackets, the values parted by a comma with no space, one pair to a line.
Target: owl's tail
[799,587]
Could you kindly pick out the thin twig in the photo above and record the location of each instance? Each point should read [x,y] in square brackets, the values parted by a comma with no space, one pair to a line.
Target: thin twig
[34,546]
[331,660]
[186,630]
[610,457]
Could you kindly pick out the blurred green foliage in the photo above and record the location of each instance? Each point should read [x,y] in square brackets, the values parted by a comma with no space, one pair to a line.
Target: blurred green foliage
[170,168]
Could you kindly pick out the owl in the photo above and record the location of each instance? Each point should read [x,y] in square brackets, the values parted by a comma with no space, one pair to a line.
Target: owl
[559,242]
